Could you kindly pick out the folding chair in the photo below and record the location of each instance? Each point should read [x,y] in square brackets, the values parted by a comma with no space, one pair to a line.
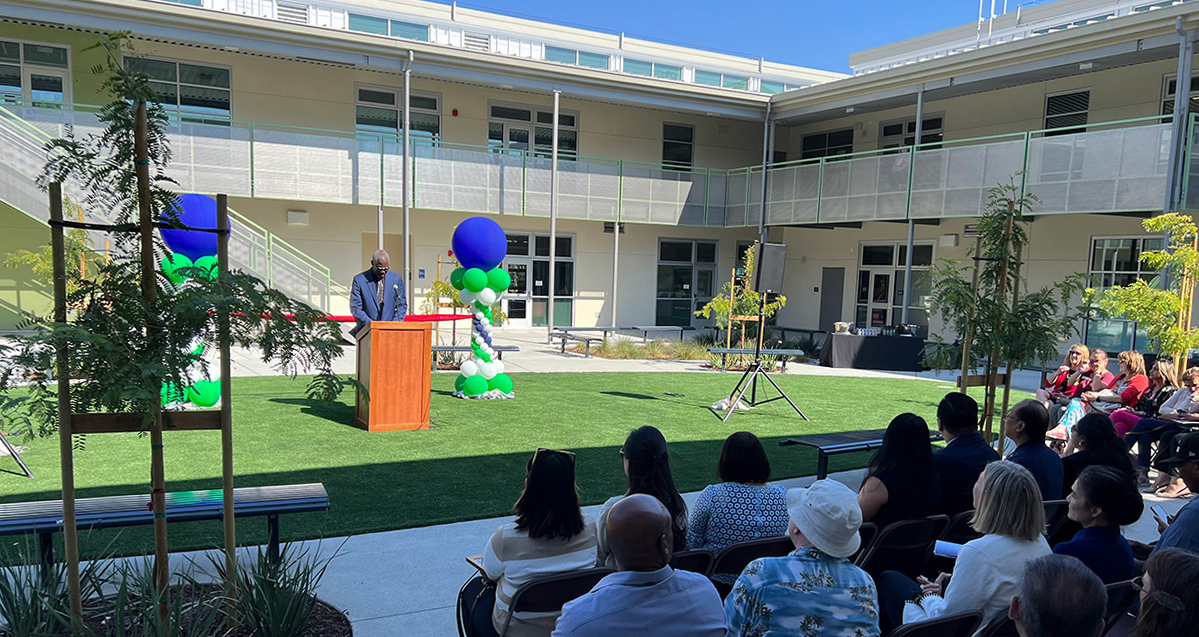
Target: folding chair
[548,594]
[958,625]
[1001,626]
[476,599]
[733,558]
[697,561]
[903,547]
[1120,598]
[1055,516]
[866,533]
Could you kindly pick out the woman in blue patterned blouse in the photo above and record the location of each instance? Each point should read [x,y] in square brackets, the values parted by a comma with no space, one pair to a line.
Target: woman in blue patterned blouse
[743,507]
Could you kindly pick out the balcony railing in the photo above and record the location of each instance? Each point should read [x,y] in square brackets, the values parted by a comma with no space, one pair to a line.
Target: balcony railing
[1110,167]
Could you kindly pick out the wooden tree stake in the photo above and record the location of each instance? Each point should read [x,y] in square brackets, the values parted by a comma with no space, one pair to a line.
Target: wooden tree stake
[222,223]
[966,343]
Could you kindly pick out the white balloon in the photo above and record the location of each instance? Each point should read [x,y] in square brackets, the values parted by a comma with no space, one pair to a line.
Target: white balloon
[467,297]
[487,296]
[468,368]
[499,366]
[479,340]
[488,370]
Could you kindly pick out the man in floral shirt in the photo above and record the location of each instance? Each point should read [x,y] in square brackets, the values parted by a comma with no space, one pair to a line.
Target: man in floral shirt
[815,591]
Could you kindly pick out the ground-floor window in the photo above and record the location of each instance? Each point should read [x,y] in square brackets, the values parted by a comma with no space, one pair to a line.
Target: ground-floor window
[686,280]
[881,270]
[1117,261]
[528,263]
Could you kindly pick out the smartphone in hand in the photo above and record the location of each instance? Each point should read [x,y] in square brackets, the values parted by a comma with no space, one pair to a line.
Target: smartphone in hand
[1159,512]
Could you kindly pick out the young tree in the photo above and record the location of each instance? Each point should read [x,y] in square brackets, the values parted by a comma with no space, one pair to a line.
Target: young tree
[738,298]
[1164,312]
[987,306]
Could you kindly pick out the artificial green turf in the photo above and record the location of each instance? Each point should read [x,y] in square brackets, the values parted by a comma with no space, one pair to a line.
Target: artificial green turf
[470,463]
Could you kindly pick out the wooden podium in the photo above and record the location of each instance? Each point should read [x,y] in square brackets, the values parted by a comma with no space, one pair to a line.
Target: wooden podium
[393,363]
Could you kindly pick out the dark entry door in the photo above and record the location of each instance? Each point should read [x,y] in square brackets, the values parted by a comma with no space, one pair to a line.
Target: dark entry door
[832,287]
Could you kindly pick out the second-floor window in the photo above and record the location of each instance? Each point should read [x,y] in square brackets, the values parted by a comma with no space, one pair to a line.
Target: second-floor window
[678,145]
[1171,86]
[903,132]
[525,128]
[830,144]
[377,111]
[194,92]
[1067,111]
[34,73]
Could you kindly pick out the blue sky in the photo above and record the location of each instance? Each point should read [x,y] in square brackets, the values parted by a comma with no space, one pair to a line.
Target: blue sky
[802,32]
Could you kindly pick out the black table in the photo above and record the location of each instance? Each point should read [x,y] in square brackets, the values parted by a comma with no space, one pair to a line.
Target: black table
[844,442]
[891,353]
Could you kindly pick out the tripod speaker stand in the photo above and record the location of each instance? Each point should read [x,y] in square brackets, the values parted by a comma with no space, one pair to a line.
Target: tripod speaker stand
[769,259]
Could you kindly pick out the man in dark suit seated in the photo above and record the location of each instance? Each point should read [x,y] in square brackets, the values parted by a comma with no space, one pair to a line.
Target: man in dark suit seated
[1026,424]
[965,453]
[377,294]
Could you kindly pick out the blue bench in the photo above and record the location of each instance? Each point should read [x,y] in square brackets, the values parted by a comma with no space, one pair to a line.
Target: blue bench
[44,518]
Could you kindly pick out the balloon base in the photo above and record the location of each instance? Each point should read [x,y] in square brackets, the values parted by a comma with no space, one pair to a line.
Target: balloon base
[493,394]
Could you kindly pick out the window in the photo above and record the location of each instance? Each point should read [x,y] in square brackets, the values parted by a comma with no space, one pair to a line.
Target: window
[527,262]
[771,87]
[686,280]
[377,112]
[383,26]
[882,268]
[1117,261]
[409,31]
[712,78]
[37,73]
[653,69]
[197,93]
[678,145]
[1067,110]
[1170,86]
[524,128]
[828,144]
[903,132]
[577,58]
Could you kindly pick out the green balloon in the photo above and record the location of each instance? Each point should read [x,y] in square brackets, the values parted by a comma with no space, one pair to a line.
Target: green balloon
[499,279]
[208,265]
[475,280]
[459,382]
[172,265]
[198,352]
[502,382]
[456,278]
[205,393]
[474,386]
[171,393]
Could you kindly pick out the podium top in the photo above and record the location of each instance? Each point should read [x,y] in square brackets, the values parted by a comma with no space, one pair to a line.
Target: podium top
[413,326]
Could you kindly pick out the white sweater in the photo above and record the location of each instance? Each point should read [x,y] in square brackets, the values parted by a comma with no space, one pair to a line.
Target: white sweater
[985,578]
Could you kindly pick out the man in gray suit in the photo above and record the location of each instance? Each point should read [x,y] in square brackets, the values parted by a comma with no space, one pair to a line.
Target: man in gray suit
[377,294]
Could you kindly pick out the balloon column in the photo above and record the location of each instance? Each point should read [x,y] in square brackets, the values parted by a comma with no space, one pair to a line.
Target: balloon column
[193,255]
[480,245]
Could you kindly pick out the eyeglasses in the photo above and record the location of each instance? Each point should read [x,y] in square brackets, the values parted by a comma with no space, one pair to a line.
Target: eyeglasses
[541,450]
[622,452]
[1138,583]
[382,268]
[1076,353]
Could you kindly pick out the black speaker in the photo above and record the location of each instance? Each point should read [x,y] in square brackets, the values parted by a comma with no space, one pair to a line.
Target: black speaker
[769,261]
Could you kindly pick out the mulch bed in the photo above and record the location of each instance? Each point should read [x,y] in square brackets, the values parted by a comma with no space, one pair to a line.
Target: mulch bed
[325,621]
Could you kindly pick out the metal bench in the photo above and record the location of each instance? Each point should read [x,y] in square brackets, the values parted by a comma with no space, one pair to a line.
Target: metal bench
[44,518]
[499,349]
[845,442]
[786,354]
[586,340]
[803,331]
[645,330]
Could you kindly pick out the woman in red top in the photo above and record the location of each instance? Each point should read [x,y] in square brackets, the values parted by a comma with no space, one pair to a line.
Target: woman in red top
[1123,391]
[1062,385]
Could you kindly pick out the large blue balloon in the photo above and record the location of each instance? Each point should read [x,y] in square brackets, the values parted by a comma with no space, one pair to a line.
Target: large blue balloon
[196,211]
[480,243]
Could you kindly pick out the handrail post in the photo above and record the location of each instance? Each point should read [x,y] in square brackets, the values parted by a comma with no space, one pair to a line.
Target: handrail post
[251,141]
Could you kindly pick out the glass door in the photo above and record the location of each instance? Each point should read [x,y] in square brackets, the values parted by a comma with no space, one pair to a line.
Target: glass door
[705,289]
[516,301]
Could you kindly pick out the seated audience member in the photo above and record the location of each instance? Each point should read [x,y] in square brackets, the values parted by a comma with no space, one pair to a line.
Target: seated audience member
[1025,424]
[743,507]
[1058,596]
[1064,383]
[646,596]
[1169,596]
[1124,391]
[1010,515]
[1163,385]
[647,470]
[1102,500]
[1183,531]
[1097,445]
[1163,429]
[550,535]
[902,482]
[815,589]
[965,454]
[1096,377]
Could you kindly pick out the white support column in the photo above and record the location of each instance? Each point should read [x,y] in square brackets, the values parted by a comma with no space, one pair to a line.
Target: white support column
[767,149]
[549,312]
[615,266]
[907,266]
[1178,141]
[405,189]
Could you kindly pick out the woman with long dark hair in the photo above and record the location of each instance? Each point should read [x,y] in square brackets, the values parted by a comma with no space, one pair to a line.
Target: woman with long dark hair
[902,483]
[1102,500]
[550,535]
[647,469]
[1169,597]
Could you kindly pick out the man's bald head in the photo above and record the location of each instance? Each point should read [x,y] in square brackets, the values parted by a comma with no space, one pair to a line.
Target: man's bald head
[639,533]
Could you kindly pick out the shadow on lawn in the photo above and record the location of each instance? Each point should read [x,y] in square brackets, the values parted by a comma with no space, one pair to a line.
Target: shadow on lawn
[622,394]
[335,411]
